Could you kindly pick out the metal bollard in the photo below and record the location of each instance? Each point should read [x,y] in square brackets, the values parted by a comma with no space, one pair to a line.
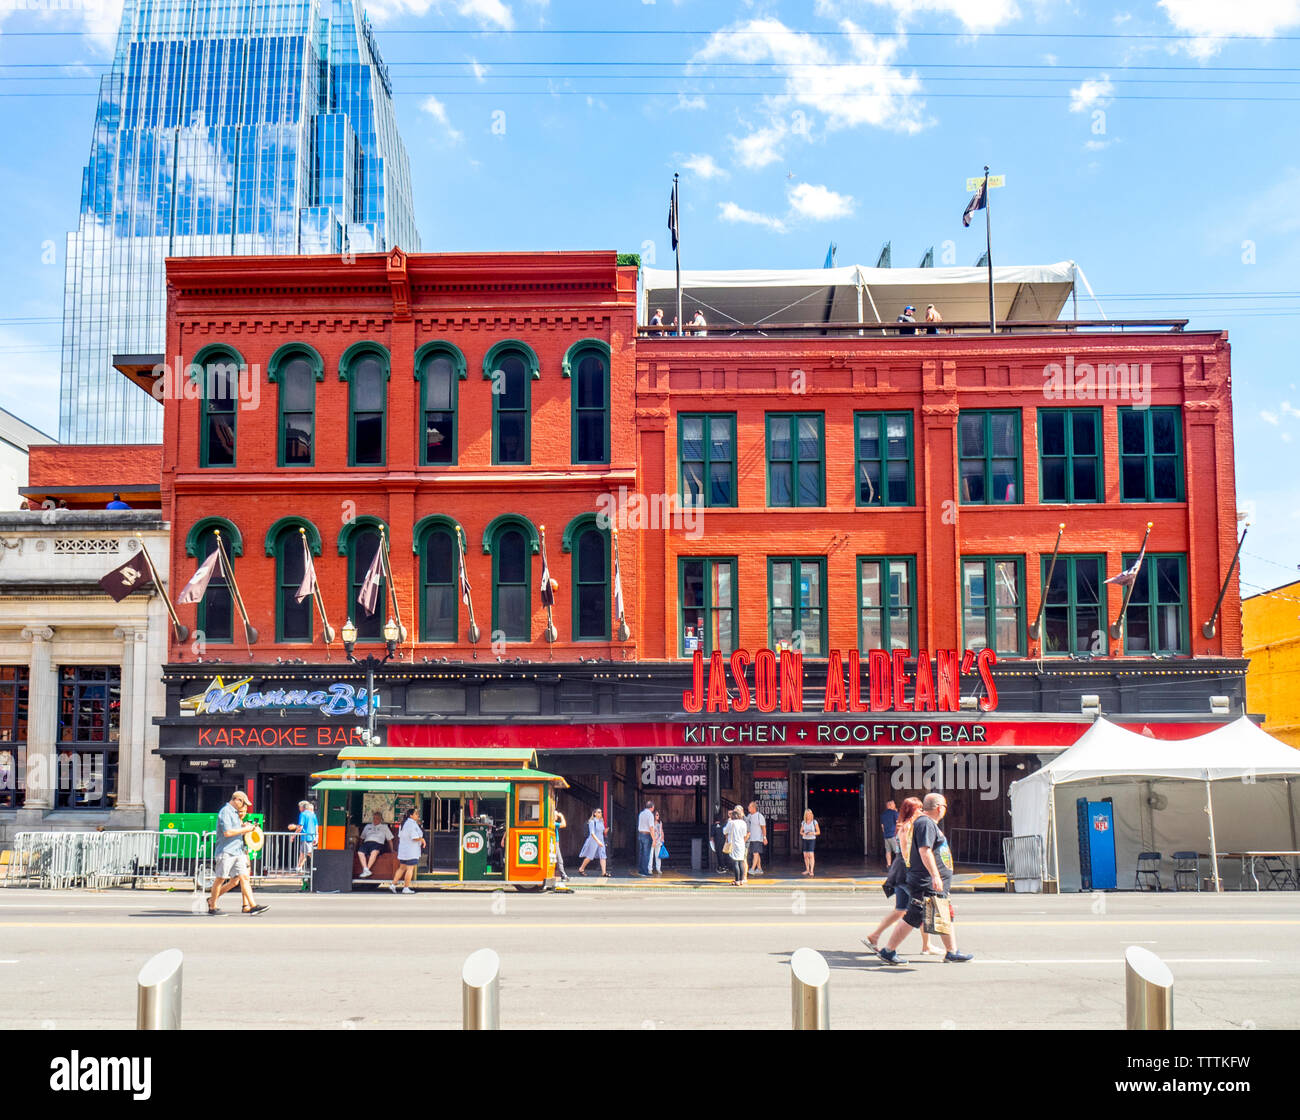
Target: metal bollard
[810,978]
[1148,991]
[481,991]
[158,997]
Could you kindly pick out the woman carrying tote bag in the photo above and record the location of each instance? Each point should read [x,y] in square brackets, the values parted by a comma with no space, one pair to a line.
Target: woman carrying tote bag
[736,840]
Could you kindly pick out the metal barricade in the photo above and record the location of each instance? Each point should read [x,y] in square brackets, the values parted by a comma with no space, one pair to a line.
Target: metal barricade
[97,860]
[981,847]
[279,860]
[1022,857]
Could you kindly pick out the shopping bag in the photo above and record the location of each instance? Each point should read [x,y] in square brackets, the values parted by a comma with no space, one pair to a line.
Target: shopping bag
[726,848]
[938,915]
[663,851]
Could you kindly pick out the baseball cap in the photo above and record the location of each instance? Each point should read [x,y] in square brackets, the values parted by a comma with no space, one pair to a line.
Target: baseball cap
[909,307]
[242,796]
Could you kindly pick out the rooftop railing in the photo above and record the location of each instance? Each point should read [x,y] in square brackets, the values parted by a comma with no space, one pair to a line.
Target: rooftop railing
[918,330]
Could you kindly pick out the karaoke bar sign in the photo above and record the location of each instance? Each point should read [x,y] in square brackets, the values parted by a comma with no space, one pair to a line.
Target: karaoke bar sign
[722,684]
[336,699]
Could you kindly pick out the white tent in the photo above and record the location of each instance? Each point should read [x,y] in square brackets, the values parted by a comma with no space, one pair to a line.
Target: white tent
[1227,790]
[855,293]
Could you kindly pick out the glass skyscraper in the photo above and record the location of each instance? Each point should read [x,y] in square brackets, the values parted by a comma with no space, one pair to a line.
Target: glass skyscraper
[224,127]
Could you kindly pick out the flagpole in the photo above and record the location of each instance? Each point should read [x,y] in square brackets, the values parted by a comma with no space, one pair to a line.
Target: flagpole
[250,633]
[1117,628]
[317,597]
[392,584]
[474,633]
[182,631]
[552,634]
[988,244]
[1208,629]
[624,631]
[1042,594]
[677,249]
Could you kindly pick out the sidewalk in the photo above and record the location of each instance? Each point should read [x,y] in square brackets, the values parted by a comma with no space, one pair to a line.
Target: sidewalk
[783,877]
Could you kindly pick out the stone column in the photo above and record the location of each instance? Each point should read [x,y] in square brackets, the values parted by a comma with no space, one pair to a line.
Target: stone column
[42,720]
[130,745]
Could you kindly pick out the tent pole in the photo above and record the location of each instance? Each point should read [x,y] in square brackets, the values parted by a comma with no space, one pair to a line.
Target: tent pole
[1290,812]
[1214,851]
[860,331]
[1056,843]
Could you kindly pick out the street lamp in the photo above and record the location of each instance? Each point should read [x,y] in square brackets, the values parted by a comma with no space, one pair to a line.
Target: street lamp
[370,663]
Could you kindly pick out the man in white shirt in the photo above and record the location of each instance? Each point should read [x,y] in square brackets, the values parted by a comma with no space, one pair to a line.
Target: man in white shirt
[757,837]
[376,837]
[645,830]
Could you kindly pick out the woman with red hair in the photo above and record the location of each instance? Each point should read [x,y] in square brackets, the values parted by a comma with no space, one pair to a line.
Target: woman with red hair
[896,881]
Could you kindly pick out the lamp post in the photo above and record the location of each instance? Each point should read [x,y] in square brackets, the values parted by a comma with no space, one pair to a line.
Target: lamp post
[370,662]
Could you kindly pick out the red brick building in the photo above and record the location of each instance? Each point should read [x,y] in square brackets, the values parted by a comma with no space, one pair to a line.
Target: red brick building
[816,489]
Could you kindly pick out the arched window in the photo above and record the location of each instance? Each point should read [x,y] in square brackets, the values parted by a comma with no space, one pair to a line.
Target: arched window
[293,620]
[361,546]
[296,369]
[439,583]
[587,362]
[511,368]
[438,367]
[591,586]
[215,617]
[217,370]
[365,368]
[512,580]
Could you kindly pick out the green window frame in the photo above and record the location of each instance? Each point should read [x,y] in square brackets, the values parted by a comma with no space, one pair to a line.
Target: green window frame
[439,560]
[1159,623]
[590,566]
[882,449]
[439,369]
[803,614]
[989,451]
[512,368]
[1001,614]
[706,459]
[888,620]
[295,369]
[1069,456]
[707,605]
[294,621]
[512,582]
[589,435]
[367,403]
[1150,454]
[794,468]
[215,367]
[214,616]
[1074,605]
[370,628]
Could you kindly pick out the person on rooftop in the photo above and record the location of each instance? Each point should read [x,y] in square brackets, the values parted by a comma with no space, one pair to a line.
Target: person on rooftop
[117,502]
[908,316]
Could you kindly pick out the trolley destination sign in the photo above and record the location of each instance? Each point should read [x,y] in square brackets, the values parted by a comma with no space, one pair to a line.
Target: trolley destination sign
[723,684]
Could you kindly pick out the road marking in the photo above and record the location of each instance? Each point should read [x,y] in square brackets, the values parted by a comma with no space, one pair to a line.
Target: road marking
[595,925]
[8,962]
[1120,960]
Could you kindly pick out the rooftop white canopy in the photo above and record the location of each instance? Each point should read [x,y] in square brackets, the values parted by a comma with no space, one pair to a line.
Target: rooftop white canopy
[858,294]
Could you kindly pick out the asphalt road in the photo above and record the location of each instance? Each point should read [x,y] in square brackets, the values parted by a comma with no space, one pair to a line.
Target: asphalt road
[639,959]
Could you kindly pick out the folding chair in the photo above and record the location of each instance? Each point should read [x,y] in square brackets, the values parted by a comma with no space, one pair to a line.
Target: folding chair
[1281,875]
[1148,868]
[1187,871]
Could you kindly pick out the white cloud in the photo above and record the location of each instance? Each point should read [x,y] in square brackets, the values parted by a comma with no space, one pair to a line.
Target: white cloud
[762,146]
[704,167]
[491,12]
[1208,22]
[690,104]
[821,204]
[480,71]
[1092,93]
[730,212]
[438,111]
[973,15]
[1288,409]
[854,86]
[1286,437]
[486,13]
[1268,417]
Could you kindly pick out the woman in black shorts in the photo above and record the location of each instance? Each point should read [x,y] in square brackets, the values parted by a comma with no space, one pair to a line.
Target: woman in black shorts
[809,830]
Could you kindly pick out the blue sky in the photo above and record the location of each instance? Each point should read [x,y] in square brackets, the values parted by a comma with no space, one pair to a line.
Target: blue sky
[1158,144]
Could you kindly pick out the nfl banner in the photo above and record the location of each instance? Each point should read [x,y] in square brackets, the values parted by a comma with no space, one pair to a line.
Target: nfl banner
[128,577]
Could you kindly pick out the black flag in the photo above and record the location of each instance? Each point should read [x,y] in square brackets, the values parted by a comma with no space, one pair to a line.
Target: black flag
[672,215]
[121,581]
[980,201]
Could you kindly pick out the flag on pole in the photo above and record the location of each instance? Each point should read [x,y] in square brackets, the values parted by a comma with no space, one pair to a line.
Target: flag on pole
[548,592]
[194,591]
[308,585]
[465,589]
[672,215]
[1129,575]
[830,256]
[368,596]
[125,578]
[618,588]
[980,201]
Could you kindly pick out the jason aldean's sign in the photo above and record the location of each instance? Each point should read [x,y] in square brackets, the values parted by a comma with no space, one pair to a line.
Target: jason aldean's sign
[778,684]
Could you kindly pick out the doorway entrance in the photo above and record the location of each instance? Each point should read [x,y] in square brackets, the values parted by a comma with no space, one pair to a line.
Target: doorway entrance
[835,797]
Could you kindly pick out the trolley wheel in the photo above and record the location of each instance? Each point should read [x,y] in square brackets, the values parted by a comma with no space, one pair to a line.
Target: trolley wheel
[532,888]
